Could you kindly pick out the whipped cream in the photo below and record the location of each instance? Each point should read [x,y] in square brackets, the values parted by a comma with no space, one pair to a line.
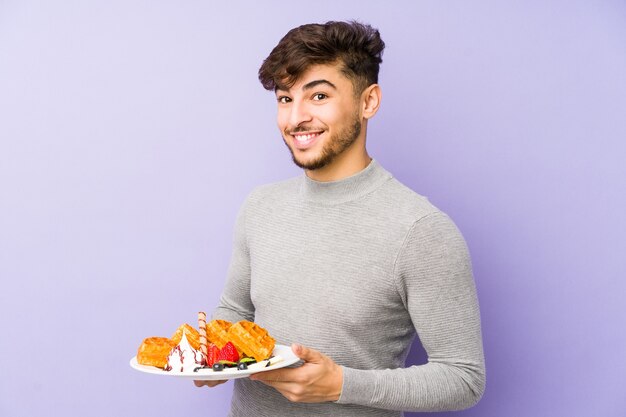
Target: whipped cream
[184,358]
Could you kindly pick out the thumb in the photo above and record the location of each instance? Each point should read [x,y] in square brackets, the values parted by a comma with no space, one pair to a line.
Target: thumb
[307,354]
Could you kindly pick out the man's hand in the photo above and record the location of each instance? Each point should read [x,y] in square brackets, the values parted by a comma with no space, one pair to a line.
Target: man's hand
[320,379]
[209,384]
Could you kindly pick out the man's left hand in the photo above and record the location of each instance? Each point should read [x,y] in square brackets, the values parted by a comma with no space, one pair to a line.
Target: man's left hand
[320,379]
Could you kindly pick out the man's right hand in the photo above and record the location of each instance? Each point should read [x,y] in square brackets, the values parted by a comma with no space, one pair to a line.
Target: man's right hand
[209,384]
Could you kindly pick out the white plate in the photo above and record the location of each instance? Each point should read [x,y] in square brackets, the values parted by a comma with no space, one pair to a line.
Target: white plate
[283,356]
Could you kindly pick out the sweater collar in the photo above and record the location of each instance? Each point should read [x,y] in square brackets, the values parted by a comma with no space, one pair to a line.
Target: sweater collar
[346,189]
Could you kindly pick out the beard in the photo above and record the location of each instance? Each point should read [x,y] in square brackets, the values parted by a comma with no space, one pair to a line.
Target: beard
[333,147]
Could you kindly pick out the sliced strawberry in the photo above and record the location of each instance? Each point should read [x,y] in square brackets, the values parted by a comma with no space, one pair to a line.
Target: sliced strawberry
[228,353]
[212,354]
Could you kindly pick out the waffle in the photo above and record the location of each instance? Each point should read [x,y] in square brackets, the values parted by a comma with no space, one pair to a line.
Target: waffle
[252,339]
[154,351]
[193,337]
[217,332]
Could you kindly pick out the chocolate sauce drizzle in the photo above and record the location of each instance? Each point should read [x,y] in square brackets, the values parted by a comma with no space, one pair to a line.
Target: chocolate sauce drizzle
[181,354]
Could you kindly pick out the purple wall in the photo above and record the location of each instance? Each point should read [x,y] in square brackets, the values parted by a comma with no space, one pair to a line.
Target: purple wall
[131,131]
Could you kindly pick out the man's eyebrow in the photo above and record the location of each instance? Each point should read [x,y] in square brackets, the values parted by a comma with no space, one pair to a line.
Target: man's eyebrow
[315,83]
[306,86]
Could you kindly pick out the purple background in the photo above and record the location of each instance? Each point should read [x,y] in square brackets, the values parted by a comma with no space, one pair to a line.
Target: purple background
[131,132]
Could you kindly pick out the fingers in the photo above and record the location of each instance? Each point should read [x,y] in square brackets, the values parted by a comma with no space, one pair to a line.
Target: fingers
[278,375]
[289,384]
[293,391]
[299,374]
[319,379]
[209,384]
[297,391]
[307,354]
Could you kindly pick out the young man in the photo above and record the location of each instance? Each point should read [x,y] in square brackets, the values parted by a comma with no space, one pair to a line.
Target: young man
[345,263]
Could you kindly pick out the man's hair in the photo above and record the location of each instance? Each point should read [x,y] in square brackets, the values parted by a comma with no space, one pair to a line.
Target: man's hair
[357,47]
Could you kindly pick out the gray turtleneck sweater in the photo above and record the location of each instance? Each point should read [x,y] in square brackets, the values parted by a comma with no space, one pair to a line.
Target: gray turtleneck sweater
[355,268]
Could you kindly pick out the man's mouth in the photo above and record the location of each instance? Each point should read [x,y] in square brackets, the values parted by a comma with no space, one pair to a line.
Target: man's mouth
[304,140]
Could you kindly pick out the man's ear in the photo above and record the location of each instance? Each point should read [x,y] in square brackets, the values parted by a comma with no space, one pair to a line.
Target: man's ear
[370,99]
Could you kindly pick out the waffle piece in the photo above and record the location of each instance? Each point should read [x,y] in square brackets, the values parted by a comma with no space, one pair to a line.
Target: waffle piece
[252,339]
[217,332]
[154,351]
[193,337]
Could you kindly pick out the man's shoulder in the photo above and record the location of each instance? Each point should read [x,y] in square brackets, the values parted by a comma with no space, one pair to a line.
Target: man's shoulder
[274,192]
[405,203]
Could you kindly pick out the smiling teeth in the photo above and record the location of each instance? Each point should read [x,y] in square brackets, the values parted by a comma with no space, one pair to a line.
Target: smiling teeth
[302,138]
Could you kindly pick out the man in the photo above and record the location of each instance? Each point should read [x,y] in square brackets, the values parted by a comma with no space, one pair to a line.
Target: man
[345,263]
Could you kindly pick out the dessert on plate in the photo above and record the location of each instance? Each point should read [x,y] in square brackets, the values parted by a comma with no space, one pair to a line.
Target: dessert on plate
[215,345]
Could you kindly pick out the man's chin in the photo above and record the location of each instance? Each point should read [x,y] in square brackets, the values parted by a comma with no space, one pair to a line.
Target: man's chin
[310,164]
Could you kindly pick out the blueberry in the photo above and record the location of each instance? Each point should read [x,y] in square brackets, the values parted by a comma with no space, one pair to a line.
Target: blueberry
[218,366]
[242,366]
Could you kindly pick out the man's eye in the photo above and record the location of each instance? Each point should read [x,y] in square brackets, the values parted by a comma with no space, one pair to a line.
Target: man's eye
[283,99]
[319,96]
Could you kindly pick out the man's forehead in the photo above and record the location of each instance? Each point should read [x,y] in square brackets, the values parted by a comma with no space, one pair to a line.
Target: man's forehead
[327,74]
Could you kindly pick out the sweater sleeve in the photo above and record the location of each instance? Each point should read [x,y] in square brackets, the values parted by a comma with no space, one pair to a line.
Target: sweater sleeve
[235,303]
[434,279]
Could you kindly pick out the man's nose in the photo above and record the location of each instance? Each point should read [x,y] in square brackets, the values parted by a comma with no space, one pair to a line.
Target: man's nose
[299,114]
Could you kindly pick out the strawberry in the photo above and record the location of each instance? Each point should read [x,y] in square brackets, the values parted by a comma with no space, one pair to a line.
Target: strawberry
[228,353]
[212,354]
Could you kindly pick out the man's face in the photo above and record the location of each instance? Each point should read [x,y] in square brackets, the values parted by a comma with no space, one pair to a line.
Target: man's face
[319,116]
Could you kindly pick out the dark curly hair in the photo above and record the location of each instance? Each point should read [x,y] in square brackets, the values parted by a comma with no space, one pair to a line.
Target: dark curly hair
[357,46]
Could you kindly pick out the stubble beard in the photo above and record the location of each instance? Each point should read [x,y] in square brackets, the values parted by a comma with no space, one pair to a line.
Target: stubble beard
[334,147]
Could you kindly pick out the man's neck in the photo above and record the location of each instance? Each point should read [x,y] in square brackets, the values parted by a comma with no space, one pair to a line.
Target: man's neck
[343,166]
